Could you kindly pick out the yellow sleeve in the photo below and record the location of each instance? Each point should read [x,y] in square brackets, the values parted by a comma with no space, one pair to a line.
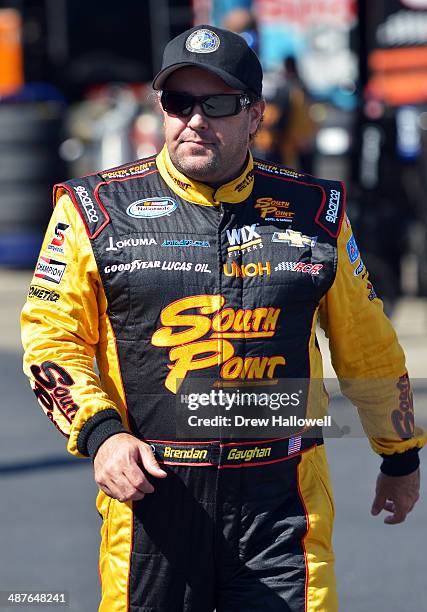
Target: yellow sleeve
[60,324]
[366,354]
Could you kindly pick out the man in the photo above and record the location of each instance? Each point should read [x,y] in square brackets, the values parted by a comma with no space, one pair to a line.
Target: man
[201,263]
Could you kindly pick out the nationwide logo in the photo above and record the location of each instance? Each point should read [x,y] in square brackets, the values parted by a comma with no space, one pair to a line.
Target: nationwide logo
[245,239]
[186,243]
[248,270]
[151,208]
[274,210]
[129,243]
[57,242]
[88,204]
[295,239]
[50,269]
[334,201]
[198,331]
[300,266]
[41,293]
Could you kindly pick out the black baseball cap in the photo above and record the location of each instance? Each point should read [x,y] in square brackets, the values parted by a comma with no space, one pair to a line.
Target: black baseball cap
[222,52]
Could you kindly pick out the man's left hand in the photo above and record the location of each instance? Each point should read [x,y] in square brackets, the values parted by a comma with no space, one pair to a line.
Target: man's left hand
[396,494]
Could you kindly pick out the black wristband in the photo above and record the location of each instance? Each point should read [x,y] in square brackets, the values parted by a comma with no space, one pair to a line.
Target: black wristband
[400,464]
[97,429]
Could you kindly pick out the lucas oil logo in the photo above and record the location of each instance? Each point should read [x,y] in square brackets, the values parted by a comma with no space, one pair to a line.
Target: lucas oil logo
[244,239]
[199,330]
[151,208]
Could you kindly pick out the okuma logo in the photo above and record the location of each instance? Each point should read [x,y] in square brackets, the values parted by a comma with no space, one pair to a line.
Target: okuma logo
[151,208]
[202,41]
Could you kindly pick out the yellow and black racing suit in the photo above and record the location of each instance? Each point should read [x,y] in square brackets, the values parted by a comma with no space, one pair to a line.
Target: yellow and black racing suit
[165,281]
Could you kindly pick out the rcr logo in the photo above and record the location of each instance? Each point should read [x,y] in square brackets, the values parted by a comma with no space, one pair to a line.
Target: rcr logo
[87,204]
[332,212]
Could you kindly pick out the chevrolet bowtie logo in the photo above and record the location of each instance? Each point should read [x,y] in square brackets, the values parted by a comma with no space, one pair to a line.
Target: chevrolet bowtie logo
[294,238]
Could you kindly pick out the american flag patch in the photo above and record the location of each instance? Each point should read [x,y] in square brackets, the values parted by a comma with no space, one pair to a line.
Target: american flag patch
[294,445]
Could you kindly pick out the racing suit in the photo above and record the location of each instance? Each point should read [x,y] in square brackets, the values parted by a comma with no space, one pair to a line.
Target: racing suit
[165,280]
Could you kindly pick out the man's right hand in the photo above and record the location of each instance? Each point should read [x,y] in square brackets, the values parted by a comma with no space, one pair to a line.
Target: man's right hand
[117,467]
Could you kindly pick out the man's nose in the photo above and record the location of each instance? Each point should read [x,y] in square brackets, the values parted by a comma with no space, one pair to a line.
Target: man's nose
[197,119]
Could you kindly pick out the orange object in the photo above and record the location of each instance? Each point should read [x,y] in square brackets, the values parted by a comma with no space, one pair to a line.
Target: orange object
[11,63]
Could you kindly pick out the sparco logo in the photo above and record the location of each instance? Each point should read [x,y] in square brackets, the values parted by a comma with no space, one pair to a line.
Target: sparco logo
[332,212]
[87,204]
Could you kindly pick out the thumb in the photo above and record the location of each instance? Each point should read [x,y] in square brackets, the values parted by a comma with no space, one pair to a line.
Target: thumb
[378,504]
[149,461]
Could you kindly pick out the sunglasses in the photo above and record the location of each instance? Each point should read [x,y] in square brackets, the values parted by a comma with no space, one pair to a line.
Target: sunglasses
[216,105]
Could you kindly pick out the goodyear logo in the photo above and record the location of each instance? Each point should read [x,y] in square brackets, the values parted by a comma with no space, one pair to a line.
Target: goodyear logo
[235,454]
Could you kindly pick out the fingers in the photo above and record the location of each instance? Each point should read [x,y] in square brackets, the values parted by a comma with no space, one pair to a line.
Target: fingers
[378,504]
[149,461]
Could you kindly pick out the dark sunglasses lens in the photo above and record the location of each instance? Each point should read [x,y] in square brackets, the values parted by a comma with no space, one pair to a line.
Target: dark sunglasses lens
[221,106]
[177,104]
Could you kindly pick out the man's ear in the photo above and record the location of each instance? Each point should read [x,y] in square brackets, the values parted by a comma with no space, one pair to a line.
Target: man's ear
[256,112]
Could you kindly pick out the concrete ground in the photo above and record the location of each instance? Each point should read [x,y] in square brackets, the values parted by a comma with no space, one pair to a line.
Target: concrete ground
[49,526]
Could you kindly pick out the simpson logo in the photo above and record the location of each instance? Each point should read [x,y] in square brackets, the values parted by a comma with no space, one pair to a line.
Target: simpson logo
[52,391]
[188,453]
[186,243]
[352,250]
[245,238]
[274,210]
[249,454]
[57,242]
[88,204]
[197,341]
[333,206]
[128,243]
[50,269]
[41,293]
[151,208]
[293,238]
[300,266]
[248,270]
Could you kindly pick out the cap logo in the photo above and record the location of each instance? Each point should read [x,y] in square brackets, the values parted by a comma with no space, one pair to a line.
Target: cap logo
[202,41]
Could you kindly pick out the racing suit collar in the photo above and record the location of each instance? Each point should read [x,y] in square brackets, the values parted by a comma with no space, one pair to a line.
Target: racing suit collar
[234,191]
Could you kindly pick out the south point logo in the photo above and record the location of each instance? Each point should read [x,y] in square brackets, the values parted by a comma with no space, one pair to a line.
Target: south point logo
[198,331]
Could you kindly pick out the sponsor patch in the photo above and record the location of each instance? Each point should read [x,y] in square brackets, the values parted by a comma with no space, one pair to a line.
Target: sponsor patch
[42,293]
[372,295]
[50,269]
[57,243]
[244,238]
[274,210]
[174,266]
[186,243]
[247,270]
[249,178]
[87,203]
[403,417]
[298,266]
[52,390]
[128,243]
[293,238]
[202,41]
[151,208]
[352,250]
[272,169]
[131,171]
[359,268]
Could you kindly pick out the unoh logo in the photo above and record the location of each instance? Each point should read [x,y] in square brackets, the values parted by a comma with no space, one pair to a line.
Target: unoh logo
[151,208]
